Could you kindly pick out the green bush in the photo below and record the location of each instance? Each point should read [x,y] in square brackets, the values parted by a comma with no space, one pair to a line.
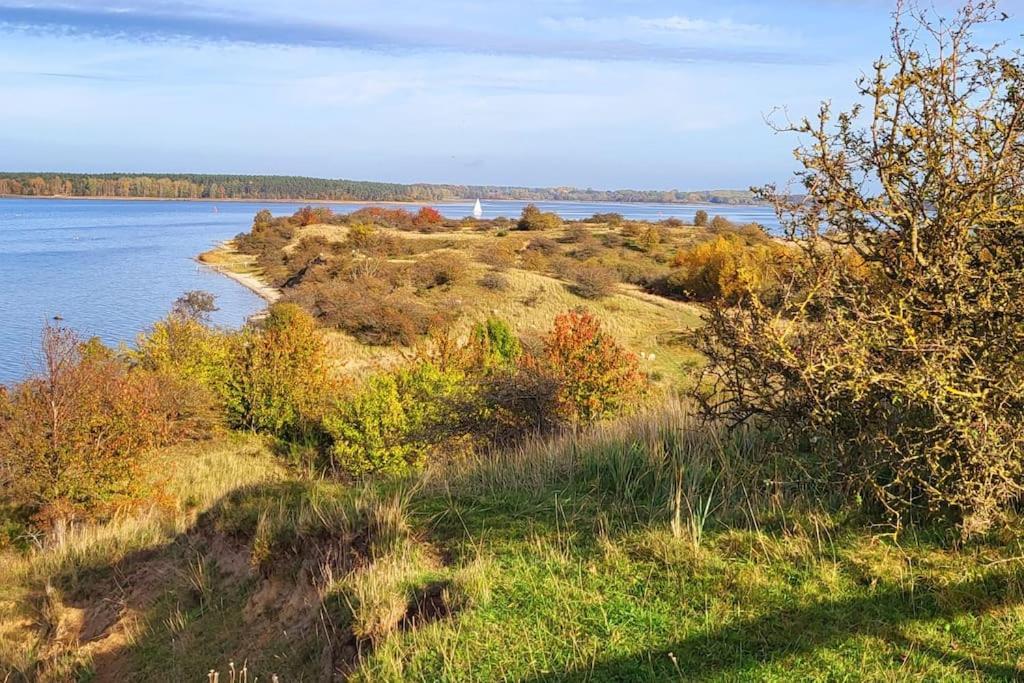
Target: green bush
[497,345]
[392,424]
[183,346]
[279,376]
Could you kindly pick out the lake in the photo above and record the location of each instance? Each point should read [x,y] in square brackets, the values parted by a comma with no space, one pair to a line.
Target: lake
[110,268]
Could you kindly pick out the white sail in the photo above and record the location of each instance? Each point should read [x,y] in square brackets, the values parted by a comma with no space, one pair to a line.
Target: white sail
[478,210]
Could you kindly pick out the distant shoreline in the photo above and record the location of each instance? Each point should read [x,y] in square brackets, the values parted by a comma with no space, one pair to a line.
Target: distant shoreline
[303,200]
[238,200]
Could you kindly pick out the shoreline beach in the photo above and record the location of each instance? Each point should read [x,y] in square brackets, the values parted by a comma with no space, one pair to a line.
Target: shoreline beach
[225,260]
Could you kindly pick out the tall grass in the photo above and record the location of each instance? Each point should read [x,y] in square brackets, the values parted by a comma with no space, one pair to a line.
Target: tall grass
[665,464]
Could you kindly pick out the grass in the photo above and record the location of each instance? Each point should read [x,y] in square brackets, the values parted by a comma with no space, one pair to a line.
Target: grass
[652,548]
[654,327]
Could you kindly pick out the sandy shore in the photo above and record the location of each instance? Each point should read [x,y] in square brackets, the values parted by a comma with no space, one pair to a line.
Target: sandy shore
[225,260]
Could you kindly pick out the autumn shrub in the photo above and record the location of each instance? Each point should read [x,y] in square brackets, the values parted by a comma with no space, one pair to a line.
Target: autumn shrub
[399,219]
[649,239]
[536,261]
[279,376]
[593,281]
[720,224]
[501,254]
[903,388]
[310,215]
[544,245]
[577,233]
[727,269]
[700,218]
[438,270]
[595,376]
[494,281]
[373,310]
[519,403]
[633,228]
[391,425]
[265,242]
[369,241]
[587,248]
[607,218]
[639,271]
[612,240]
[427,219]
[534,219]
[74,438]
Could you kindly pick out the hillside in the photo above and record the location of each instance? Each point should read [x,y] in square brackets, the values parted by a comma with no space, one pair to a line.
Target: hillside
[558,561]
[298,188]
[487,271]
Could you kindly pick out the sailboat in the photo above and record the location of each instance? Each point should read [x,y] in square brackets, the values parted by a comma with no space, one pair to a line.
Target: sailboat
[478,211]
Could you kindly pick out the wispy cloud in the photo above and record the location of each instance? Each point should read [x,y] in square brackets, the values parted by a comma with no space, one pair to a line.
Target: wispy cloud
[171,21]
[677,30]
[72,76]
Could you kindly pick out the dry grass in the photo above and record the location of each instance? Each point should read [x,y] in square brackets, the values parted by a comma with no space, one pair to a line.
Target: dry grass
[647,324]
[192,477]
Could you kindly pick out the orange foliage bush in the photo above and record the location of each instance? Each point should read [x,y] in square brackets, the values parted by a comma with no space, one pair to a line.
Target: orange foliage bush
[74,437]
[427,218]
[596,376]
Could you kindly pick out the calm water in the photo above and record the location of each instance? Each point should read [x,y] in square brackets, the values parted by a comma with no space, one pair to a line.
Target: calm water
[111,268]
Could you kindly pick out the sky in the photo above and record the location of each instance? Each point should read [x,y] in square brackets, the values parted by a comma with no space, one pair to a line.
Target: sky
[650,94]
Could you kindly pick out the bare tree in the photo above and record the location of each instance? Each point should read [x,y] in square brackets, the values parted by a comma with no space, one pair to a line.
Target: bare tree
[897,355]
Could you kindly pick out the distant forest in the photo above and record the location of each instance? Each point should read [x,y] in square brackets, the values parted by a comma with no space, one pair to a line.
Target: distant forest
[262,187]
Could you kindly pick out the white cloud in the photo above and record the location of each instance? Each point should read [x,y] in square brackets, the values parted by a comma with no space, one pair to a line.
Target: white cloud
[675,29]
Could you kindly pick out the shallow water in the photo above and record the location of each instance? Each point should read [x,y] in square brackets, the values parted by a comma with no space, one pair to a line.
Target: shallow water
[110,268]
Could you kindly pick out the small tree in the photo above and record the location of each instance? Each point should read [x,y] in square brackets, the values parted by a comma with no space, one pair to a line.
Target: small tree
[183,346]
[896,356]
[279,379]
[73,438]
[263,218]
[649,240]
[596,376]
[535,219]
[195,305]
[700,219]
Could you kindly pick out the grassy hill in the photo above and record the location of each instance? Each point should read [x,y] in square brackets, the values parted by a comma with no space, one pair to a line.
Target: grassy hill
[566,559]
[525,278]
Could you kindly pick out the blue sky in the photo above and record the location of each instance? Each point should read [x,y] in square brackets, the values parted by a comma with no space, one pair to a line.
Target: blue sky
[606,94]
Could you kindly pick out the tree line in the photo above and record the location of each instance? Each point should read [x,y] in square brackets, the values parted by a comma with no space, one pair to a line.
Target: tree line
[264,187]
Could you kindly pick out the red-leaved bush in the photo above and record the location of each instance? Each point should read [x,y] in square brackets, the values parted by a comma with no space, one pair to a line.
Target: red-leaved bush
[427,218]
[596,376]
